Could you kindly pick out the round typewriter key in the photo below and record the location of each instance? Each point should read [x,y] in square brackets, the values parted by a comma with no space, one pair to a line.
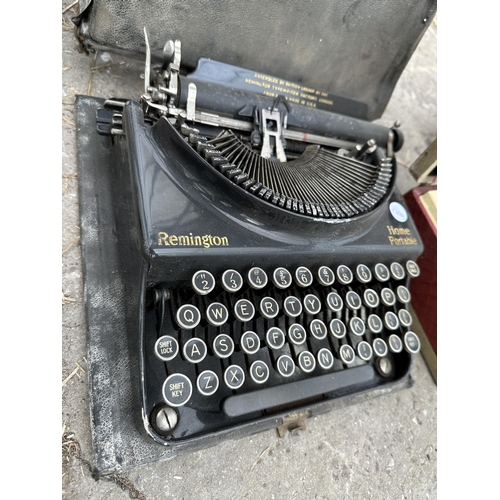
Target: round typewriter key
[166,348]
[297,334]
[194,350]
[413,269]
[177,389]
[391,321]
[344,274]
[357,326]
[203,282]
[363,273]
[318,329]
[370,298]
[207,382]
[397,271]
[381,272]
[275,338]
[303,277]
[232,281]
[188,316]
[312,304]
[282,278]
[292,306]
[334,302]
[403,294]
[405,317]
[380,347]
[352,300]
[398,211]
[395,344]
[325,358]
[375,323]
[387,297]
[412,343]
[234,376]
[346,354]
[257,278]
[259,372]
[244,310]
[268,307]
[307,362]
[223,346]
[250,342]
[365,351]
[326,276]
[285,366]
[384,367]
[217,314]
[337,328]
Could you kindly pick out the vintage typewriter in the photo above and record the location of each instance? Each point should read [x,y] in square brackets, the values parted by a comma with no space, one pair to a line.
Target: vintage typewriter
[276,252]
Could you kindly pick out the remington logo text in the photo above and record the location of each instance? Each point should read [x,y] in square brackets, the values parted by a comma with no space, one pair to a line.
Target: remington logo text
[207,241]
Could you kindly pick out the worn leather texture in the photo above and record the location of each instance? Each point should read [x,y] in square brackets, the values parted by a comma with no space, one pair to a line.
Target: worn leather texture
[356,49]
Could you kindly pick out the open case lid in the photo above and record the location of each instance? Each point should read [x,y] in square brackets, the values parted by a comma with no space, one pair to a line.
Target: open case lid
[348,48]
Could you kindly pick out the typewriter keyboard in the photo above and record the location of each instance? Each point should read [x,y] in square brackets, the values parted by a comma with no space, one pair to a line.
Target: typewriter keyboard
[244,342]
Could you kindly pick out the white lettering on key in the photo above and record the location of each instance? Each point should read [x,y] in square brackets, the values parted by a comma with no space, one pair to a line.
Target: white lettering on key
[284,366]
[234,375]
[311,303]
[191,315]
[208,381]
[195,349]
[217,313]
[222,342]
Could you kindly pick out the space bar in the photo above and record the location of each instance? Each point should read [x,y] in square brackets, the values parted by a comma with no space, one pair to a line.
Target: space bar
[241,404]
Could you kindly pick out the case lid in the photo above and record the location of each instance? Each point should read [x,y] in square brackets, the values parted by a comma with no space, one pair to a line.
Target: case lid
[355,49]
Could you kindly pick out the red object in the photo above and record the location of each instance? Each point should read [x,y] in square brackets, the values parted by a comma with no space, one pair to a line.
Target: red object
[424,288]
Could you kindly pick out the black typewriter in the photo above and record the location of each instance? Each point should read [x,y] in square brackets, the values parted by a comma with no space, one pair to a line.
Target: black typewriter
[275,251]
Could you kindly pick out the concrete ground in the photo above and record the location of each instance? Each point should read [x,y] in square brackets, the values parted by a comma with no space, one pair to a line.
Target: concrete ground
[385,448]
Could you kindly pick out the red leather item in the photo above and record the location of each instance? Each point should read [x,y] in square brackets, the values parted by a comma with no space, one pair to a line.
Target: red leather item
[424,288]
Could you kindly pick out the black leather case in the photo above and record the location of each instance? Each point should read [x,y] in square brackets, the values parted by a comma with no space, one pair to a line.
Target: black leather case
[349,48]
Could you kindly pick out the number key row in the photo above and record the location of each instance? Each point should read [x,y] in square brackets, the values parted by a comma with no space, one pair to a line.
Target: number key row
[203,282]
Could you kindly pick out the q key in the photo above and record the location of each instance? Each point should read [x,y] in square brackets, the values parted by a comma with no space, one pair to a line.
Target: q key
[188,316]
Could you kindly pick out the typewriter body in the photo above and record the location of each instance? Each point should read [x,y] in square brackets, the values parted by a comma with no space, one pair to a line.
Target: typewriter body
[270,250]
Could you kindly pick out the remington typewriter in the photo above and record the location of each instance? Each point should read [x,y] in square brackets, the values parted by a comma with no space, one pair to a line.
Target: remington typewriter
[263,251]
